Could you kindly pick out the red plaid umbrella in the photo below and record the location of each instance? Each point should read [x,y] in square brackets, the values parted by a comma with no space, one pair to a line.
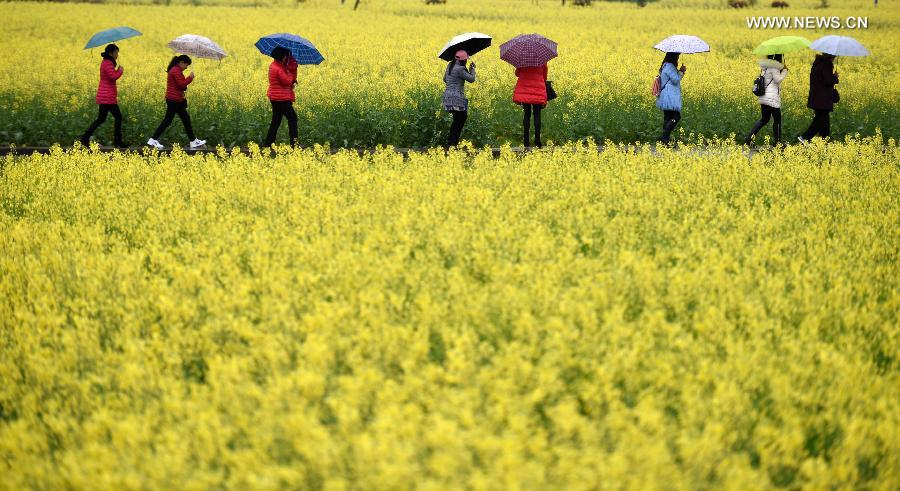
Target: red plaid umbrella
[528,50]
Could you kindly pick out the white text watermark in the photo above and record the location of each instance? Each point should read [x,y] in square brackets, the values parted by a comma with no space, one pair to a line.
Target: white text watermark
[809,22]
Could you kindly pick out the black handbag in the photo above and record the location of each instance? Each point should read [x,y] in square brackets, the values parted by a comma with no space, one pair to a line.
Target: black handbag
[551,94]
[835,96]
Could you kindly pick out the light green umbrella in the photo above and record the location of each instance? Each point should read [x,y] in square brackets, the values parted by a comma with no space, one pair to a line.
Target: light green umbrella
[781,45]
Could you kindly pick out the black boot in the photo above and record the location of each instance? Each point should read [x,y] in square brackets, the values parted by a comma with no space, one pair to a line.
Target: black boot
[776,130]
[668,126]
[526,140]
[758,126]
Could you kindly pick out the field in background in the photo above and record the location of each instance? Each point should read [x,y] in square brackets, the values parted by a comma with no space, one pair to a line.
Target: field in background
[563,320]
[381,81]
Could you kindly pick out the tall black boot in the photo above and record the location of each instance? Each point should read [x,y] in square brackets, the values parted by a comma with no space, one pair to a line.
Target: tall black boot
[758,126]
[776,130]
[668,126]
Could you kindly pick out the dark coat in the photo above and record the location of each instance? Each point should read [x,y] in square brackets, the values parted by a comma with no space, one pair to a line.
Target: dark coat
[821,84]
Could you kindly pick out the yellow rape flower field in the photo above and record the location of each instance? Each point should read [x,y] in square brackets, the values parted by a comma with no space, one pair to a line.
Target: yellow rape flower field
[568,319]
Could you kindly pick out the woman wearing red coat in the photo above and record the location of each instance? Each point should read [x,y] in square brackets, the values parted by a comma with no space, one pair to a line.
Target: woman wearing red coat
[176,103]
[531,93]
[107,96]
[282,78]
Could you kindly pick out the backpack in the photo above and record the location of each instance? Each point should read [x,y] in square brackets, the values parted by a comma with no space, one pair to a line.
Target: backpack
[760,85]
[657,86]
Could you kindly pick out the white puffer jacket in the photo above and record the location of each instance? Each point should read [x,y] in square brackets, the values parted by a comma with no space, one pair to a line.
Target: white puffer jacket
[774,73]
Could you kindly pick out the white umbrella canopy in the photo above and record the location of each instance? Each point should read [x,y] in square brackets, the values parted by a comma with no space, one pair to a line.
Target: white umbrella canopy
[471,42]
[199,46]
[839,46]
[682,43]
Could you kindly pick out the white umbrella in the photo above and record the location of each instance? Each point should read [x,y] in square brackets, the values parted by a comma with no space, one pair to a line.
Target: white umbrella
[199,46]
[839,46]
[682,43]
[471,42]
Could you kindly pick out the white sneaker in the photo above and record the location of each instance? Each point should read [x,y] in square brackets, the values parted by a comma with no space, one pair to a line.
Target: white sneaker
[155,144]
[198,143]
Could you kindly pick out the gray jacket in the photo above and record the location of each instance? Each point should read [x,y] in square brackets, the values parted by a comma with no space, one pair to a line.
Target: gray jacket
[455,93]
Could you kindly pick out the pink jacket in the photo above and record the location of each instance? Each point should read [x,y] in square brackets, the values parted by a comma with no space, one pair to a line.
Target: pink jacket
[106,91]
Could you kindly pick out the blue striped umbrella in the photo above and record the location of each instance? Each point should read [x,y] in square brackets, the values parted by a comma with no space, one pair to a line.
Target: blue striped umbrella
[111,36]
[301,49]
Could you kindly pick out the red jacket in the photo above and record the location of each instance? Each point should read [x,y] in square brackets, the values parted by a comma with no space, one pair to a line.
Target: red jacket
[281,80]
[531,87]
[106,91]
[176,84]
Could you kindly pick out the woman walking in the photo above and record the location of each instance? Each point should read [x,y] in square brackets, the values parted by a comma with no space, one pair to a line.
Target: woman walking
[773,72]
[107,96]
[454,99]
[669,98]
[282,79]
[176,85]
[822,79]
[531,93]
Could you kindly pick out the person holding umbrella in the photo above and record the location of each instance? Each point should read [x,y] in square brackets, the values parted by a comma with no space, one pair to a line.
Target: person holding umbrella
[454,99]
[667,86]
[669,98]
[282,79]
[822,79]
[176,103]
[773,73]
[529,53]
[107,96]
[531,94]
[287,52]
[767,86]
[456,53]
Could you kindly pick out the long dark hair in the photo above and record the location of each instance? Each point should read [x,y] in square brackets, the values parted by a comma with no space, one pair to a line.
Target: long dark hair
[178,59]
[778,58]
[279,53]
[108,51]
[455,62]
[670,58]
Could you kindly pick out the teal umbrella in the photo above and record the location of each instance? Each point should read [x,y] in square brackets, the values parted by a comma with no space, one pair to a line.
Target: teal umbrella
[781,45]
[111,36]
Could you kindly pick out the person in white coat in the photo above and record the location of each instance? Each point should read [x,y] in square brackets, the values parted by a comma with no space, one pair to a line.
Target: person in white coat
[773,71]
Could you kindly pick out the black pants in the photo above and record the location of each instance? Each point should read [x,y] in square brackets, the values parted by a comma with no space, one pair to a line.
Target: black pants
[282,109]
[459,120]
[537,123]
[101,118]
[768,112]
[821,125]
[173,108]
[670,119]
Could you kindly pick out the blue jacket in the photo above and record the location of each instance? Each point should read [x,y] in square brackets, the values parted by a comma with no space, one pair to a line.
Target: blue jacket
[670,81]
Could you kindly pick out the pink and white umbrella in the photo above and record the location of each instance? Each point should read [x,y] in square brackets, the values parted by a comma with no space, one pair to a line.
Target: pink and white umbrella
[199,46]
[528,50]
